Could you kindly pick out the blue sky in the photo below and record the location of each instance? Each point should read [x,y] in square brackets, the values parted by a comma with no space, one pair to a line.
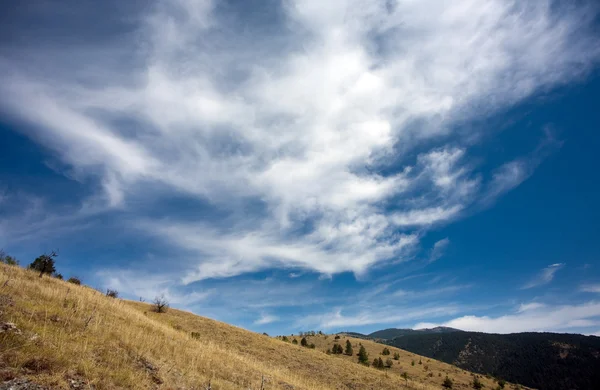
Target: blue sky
[296,165]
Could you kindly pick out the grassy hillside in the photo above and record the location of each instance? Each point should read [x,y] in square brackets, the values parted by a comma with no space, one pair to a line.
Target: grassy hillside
[67,336]
[547,361]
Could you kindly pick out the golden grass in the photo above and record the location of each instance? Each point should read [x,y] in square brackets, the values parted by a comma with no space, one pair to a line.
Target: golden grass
[74,332]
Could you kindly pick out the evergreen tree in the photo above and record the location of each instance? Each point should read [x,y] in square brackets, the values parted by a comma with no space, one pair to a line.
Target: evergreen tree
[385,351]
[295,342]
[44,264]
[396,356]
[477,383]
[389,363]
[349,350]
[303,342]
[363,356]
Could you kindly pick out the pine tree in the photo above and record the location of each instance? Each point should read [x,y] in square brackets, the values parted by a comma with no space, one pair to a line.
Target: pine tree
[349,350]
[303,342]
[396,356]
[363,356]
[385,351]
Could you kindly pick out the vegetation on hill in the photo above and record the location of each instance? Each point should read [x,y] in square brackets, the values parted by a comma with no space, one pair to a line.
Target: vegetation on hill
[57,334]
[546,361]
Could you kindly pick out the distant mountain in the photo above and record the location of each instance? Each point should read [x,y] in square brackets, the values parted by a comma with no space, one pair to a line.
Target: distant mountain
[545,361]
[392,333]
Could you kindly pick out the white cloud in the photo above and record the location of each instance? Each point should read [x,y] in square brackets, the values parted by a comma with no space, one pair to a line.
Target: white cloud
[545,276]
[533,319]
[266,319]
[305,128]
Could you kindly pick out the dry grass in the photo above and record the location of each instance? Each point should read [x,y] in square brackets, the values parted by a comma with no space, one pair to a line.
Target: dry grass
[74,332]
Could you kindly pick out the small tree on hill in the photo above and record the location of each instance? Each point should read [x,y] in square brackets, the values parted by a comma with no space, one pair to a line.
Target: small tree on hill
[284,338]
[337,336]
[501,383]
[6,259]
[363,356]
[303,342]
[44,264]
[295,342]
[447,383]
[396,356]
[476,384]
[112,293]
[349,350]
[160,303]
[57,276]
[74,280]
[385,351]
[389,363]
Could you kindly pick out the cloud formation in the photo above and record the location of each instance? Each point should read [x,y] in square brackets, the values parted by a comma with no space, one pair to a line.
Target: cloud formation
[545,276]
[331,146]
[529,318]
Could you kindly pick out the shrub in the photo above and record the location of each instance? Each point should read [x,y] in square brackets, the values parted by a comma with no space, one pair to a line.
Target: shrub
[58,276]
[44,264]
[303,342]
[196,335]
[363,356]
[447,383]
[412,363]
[501,383]
[295,342]
[349,350]
[74,280]
[337,336]
[312,346]
[389,363]
[385,351]
[161,305]
[396,356]
[6,259]
[284,338]
[426,367]
[112,293]
[328,352]
[420,362]
[476,384]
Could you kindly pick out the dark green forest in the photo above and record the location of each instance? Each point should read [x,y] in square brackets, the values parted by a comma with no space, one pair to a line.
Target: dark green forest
[546,361]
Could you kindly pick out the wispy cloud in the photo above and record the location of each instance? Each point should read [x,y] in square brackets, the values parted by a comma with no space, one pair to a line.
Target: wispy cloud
[438,249]
[266,319]
[545,276]
[593,288]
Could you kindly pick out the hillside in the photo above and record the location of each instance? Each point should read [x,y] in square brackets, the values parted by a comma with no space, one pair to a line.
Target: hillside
[60,335]
[541,360]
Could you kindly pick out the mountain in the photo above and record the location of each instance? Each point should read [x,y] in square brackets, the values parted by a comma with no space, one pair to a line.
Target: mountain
[546,361]
[59,335]
[392,333]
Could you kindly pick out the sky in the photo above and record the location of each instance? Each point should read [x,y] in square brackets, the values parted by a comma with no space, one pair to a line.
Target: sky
[293,165]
